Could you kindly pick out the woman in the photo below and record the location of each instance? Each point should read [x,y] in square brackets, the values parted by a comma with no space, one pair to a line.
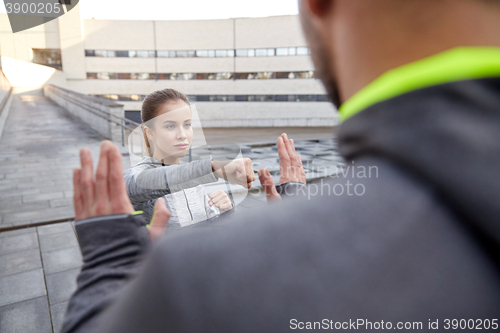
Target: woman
[166,118]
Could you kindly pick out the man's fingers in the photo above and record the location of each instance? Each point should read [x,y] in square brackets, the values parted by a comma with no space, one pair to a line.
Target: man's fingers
[87,179]
[117,192]
[290,148]
[101,180]
[77,194]
[268,185]
[302,172]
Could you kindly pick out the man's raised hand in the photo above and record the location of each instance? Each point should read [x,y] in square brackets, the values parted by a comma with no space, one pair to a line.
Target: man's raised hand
[106,194]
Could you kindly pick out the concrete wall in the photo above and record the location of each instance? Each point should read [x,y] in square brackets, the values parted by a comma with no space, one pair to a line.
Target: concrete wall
[16,55]
[101,115]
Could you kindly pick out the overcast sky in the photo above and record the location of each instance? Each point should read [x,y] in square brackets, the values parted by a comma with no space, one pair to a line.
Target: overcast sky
[182,9]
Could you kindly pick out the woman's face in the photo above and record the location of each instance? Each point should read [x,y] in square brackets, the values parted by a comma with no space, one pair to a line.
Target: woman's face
[171,131]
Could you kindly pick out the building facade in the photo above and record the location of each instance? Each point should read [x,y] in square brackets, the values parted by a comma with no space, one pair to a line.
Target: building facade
[244,72]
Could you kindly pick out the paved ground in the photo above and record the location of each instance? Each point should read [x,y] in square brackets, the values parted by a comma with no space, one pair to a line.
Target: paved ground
[38,151]
[38,268]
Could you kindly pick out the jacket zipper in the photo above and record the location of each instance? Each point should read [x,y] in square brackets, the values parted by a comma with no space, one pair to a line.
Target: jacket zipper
[187,204]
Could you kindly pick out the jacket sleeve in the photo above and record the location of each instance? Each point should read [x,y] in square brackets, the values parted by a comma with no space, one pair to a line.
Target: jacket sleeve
[112,247]
[146,184]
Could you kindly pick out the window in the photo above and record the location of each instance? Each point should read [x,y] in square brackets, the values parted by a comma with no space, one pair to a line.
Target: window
[181,54]
[185,76]
[241,98]
[145,54]
[264,98]
[302,51]
[221,53]
[282,75]
[48,57]
[123,76]
[211,53]
[292,51]
[261,52]
[191,54]
[89,53]
[251,53]
[111,54]
[162,54]
[241,53]
[264,75]
[122,54]
[202,53]
[271,52]
[106,76]
[282,51]
[100,53]
[204,76]
[241,76]
[223,76]
[142,76]
[305,75]
[230,98]
[230,53]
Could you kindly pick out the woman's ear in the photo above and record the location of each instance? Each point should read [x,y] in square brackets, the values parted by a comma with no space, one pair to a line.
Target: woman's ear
[149,133]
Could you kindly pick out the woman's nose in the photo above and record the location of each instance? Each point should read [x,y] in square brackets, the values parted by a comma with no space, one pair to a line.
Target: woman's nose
[181,135]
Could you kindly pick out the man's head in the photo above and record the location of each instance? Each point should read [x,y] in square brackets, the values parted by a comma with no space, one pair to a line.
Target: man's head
[355,41]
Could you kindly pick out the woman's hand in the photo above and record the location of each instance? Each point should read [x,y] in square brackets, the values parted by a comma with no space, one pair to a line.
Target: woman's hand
[238,171]
[220,200]
[291,168]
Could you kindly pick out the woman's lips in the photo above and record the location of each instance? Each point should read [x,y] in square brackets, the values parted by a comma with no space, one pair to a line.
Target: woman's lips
[182,146]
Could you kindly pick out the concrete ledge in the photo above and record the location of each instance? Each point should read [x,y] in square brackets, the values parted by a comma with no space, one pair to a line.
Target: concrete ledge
[104,116]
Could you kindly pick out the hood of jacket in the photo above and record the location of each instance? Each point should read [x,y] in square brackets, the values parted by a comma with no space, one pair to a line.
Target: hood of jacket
[447,135]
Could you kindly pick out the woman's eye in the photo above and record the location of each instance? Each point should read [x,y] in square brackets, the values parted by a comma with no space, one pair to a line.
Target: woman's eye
[188,125]
[170,126]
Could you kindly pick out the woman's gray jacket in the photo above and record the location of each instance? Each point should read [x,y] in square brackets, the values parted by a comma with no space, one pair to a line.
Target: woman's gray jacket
[181,186]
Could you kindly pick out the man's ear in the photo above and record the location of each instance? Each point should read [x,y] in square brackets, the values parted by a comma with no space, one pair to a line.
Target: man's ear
[320,8]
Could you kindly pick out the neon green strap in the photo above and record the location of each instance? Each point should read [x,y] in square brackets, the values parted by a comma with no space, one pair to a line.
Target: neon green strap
[463,63]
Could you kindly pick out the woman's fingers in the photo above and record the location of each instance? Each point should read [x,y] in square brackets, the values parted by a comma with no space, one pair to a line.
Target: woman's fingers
[217,197]
[87,180]
[101,180]
[268,185]
[77,195]
[226,206]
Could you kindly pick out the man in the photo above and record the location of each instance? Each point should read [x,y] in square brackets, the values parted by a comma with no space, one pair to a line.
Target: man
[416,247]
